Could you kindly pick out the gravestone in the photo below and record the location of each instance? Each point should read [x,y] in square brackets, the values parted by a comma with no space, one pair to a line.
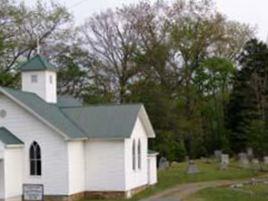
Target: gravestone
[256,164]
[250,154]
[163,163]
[224,161]
[243,160]
[205,160]
[265,160]
[192,168]
[174,164]
[217,154]
[187,159]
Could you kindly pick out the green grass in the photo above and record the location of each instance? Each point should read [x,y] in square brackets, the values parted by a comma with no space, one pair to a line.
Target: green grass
[208,172]
[248,193]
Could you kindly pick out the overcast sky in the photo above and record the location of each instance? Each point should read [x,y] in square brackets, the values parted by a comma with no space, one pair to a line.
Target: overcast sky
[253,12]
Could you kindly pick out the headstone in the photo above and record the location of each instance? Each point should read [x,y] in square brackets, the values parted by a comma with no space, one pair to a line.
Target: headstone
[256,164]
[253,181]
[192,168]
[224,161]
[217,154]
[265,160]
[250,154]
[243,160]
[187,159]
[174,164]
[205,160]
[163,163]
[240,185]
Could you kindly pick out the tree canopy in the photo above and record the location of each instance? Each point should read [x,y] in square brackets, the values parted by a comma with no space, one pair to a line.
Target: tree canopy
[201,77]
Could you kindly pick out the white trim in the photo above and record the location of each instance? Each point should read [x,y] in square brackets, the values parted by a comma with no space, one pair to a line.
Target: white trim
[152,155]
[34,113]
[77,139]
[14,145]
[146,122]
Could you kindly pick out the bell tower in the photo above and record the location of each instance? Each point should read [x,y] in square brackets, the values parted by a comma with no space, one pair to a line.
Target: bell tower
[39,76]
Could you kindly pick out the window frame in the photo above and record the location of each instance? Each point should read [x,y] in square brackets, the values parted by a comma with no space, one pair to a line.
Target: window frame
[34,78]
[139,155]
[134,155]
[35,159]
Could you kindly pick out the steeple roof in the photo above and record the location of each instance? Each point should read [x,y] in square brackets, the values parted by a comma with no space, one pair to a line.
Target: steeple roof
[37,63]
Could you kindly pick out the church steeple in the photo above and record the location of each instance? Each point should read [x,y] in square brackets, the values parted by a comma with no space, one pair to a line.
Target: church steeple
[40,77]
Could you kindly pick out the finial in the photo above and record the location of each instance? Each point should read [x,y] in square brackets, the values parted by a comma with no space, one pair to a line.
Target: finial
[38,46]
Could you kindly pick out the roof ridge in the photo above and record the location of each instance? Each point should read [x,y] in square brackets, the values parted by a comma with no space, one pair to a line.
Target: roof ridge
[102,105]
[41,60]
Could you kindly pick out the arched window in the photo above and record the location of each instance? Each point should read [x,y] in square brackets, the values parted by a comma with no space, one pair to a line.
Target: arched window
[139,154]
[134,155]
[35,160]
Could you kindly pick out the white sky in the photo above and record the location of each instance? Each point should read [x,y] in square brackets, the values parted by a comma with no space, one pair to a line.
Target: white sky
[253,12]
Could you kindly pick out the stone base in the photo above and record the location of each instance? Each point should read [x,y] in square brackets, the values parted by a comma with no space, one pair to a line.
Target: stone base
[114,194]
[73,197]
[105,194]
[137,190]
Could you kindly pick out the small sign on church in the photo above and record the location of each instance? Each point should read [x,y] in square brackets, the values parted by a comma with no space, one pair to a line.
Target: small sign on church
[33,192]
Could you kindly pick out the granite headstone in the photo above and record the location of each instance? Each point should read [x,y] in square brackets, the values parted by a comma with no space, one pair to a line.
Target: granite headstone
[192,168]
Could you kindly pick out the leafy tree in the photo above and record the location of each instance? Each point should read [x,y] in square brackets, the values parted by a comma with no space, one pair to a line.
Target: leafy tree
[213,79]
[20,27]
[258,137]
[248,105]
[164,110]
[111,39]
[73,77]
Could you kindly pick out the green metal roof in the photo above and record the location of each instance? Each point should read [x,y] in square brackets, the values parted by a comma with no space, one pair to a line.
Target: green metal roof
[50,112]
[79,122]
[37,63]
[8,138]
[110,121]
[68,101]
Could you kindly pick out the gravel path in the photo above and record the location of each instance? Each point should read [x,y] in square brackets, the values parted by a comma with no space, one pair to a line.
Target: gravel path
[181,192]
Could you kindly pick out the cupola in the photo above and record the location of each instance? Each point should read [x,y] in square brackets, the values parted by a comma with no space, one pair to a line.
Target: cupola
[39,76]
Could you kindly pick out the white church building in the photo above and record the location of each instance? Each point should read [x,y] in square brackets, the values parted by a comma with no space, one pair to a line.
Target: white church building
[70,150]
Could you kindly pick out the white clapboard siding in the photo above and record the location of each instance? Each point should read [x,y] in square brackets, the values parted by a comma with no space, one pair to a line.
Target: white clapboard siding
[2,180]
[138,177]
[105,165]
[13,172]
[76,153]
[43,87]
[152,169]
[54,149]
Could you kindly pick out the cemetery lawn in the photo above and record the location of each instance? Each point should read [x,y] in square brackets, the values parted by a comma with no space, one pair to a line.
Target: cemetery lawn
[247,193]
[208,172]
